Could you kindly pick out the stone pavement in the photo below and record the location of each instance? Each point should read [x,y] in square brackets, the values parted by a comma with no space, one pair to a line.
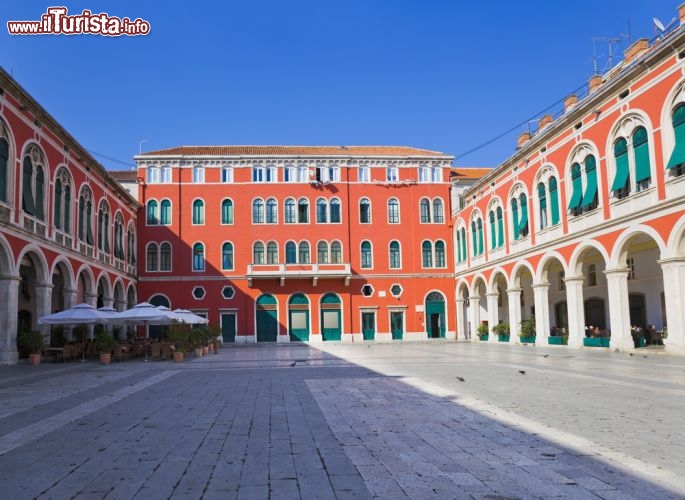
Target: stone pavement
[348,421]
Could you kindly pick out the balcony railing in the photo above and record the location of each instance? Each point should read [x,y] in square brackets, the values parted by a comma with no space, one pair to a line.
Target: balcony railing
[298,271]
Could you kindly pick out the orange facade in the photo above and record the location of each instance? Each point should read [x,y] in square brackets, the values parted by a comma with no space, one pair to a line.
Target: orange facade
[304,220]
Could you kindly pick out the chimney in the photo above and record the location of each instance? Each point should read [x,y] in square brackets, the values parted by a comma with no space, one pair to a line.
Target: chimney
[569,102]
[523,138]
[544,121]
[595,82]
[681,13]
[635,50]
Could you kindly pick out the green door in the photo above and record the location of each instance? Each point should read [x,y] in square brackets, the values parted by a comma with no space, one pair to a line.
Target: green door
[298,318]
[228,327]
[397,324]
[435,315]
[331,328]
[267,319]
[369,325]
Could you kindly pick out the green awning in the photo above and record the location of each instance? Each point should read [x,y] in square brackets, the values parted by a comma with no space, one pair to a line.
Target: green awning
[622,171]
[678,155]
[642,169]
[554,200]
[524,217]
[591,188]
[577,195]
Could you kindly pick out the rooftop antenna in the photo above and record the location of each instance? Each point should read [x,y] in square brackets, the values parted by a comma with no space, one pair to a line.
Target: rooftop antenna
[660,29]
[140,146]
[612,42]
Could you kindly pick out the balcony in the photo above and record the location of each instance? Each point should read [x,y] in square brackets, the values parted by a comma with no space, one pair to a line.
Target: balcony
[298,271]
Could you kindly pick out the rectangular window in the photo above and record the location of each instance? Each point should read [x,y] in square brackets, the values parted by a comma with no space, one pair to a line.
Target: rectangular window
[257,174]
[364,174]
[424,174]
[631,268]
[198,175]
[334,174]
[436,174]
[166,175]
[302,174]
[562,282]
[290,174]
[391,174]
[227,174]
[271,174]
[591,275]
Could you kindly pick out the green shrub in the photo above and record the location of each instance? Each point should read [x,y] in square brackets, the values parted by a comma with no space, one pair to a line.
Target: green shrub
[104,342]
[527,327]
[501,329]
[30,342]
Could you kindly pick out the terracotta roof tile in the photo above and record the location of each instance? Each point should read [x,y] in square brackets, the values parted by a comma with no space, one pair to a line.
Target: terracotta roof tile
[293,151]
[470,172]
[123,175]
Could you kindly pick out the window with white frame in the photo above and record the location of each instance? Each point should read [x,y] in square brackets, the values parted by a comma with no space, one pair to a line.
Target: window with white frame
[393,211]
[198,175]
[257,173]
[226,174]
[436,174]
[364,173]
[152,174]
[424,173]
[392,174]
[166,174]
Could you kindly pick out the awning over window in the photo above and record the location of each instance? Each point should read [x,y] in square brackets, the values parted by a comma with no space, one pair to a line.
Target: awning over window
[524,217]
[577,195]
[678,155]
[622,171]
[591,189]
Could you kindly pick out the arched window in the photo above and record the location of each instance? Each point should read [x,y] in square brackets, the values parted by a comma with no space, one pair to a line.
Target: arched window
[425,210]
[440,253]
[474,238]
[304,253]
[131,246]
[515,217]
[227,212]
[393,211]
[271,211]
[574,205]
[290,213]
[542,201]
[500,227]
[290,253]
[198,212]
[258,211]
[364,211]
[165,257]
[554,200]
[426,254]
[479,226]
[676,163]
[198,257]
[62,201]
[165,213]
[272,252]
[151,257]
[334,207]
[4,162]
[258,252]
[438,211]
[321,211]
[493,230]
[322,252]
[85,216]
[590,199]
[366,255]
[33,183]
[152,217]
[460,257]
[463,244]
[395,260]
[621,184]
[119,236]
[643,170]
[523,223]
[336,253]
[303,211]
[227,256]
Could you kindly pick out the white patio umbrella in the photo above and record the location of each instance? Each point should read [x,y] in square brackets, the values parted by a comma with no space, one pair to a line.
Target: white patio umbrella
[186,316]
[80,314]
[141,314]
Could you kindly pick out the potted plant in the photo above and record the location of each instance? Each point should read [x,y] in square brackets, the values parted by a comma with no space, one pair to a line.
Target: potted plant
[196,340]
[105,344]
[216,338]
[502,331]
[527,333]
[32,343]
[178,334]
[482,332]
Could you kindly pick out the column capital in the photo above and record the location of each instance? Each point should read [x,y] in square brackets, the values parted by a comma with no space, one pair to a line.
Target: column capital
[10,278]
[492,294]
[574,279]
[544,285]
[461,301]
[514,290]
[671,261]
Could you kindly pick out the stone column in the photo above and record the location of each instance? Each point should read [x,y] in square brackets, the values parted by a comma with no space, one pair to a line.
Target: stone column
[474,304]
[92,299]
[541,295]
[461,324]
[619,308]
[514,298]
[493,314]
[576,310]
[674,292]
[9,295]
[43,304]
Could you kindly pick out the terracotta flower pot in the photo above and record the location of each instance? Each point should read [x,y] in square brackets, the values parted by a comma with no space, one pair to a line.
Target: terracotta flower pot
[217,346]
[105,357]
[205,350]
[211,348]
[198,352]
[179,356]
[35,358]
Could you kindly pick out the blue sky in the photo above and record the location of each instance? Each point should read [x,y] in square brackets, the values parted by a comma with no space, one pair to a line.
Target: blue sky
[446,75]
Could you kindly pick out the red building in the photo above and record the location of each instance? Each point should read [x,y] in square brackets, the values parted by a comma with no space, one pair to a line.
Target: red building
[67,228]
[279,243]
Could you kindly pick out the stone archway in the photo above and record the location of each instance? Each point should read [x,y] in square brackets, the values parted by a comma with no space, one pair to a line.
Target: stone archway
[551,305]
[498,305]
[9,287]
[35,292]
